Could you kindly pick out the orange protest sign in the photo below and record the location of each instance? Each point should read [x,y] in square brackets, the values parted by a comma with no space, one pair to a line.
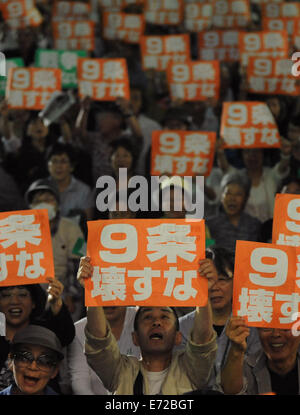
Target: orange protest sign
[163,12]
[71,10]
[182,153]
[158,51]
[103,79]
[197,16]
[248,124]
[230,14]
[220,45]
[151,262]
[288,24]
[277,10]
[271,76]
[266,284]
[127,27]
[26,249]
[31,88]
[117,5]
[20,13]
[74,35]
[263,44]
[194,80]
[286,220]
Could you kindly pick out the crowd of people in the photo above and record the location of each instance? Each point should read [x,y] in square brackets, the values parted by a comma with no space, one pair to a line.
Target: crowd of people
[55,345]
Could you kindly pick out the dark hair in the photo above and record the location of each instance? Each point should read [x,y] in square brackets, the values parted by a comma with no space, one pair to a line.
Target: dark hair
[236,178]
[60,148]
[295,120]
[38,297]
[222,259]
[127,143]
[135,323]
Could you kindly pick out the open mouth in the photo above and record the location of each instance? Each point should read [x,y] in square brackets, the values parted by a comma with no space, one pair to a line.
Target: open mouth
[156,336]
[31,380]
[15,312]
[277,346]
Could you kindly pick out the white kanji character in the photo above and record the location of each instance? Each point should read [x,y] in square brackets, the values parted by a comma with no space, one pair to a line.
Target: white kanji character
[298,271]
[183,291]
[208,90]
[19,229]
[196,143]
[288,85]
[181,164]
[249,135]
[171,240]
[163,163]
[82,29]
[32,271]
[3,265]
[191,90]
[230,38]
[30,98]
[290,306]
[269,136]
[143,283]
[200,165]
[85,88]
[49,59]
[117,90]
[207,54]
[174,44]
[273,40]
[272,84]
[232,135]
[150,62]
[69,60]
[132,21]
[100,89]
[293,240]
[257,305]
[239,7]
[258,84]
[203,72]
[112,281]
[44,79]
[261,114]
[113,70]
[16,98]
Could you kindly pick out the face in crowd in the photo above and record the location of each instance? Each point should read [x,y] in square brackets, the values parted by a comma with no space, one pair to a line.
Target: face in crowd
[233,199]
[156,330]
[60,167]
[33,367]
[17,305]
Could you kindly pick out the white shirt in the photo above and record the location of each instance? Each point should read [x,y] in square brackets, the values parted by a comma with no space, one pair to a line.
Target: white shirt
[84,380]
[155,380]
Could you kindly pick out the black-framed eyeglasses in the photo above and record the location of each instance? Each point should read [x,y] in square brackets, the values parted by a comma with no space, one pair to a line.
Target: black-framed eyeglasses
[43,362]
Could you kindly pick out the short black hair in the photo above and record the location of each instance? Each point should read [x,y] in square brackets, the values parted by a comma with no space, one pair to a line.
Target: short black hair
[223,259]
[135,323]
[61,148]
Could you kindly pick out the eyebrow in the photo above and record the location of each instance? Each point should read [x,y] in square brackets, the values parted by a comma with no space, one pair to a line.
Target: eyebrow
[166,309]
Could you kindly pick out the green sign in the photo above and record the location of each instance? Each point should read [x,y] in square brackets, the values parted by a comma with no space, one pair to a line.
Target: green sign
[10,63]
[66,60]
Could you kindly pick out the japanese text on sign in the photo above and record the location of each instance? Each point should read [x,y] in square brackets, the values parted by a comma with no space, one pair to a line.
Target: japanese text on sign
[286,222]
[31,88]
[197,16]
[169,12]
[71,10]
[266,284]
[274,11]
[158,51]
[127,27]
[195,80]
[248,124]
[74,35]
[271,76]
[20,13]
[26,249]
[220,45]
[151,262]
[182,153]
[228,14]
[103,79]
[263,44]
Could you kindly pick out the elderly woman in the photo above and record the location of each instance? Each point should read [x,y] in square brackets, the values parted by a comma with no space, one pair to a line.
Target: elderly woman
[232,223]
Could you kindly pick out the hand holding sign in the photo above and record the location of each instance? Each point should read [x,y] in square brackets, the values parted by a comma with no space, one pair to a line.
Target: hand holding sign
[55,289]
[237,332]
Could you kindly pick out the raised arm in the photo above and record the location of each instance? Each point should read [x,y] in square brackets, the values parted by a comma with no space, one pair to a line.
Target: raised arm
[96,320]
[203,323]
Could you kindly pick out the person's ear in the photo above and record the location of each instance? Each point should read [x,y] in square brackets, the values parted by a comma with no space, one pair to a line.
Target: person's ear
[55,371]
[135,338]
[178,338]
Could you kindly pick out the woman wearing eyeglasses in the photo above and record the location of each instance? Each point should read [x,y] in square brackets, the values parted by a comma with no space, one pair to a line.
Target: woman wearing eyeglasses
[35,356]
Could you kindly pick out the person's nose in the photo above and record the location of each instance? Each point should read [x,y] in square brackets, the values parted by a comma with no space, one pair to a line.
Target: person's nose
[156,322]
